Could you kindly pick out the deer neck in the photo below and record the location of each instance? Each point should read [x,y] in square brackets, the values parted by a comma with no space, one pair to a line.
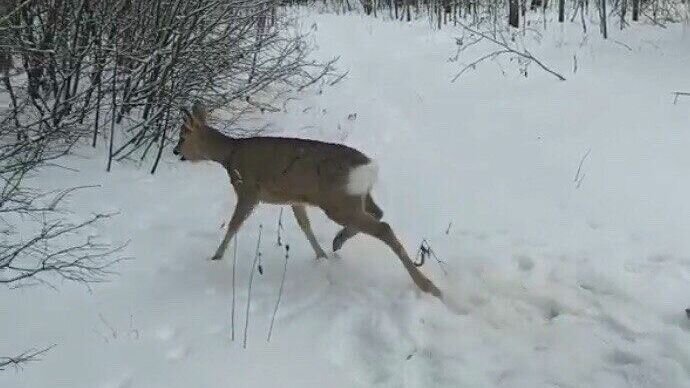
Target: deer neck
[218,147]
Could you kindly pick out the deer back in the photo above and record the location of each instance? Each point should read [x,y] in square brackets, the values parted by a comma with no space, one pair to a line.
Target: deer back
[287,170]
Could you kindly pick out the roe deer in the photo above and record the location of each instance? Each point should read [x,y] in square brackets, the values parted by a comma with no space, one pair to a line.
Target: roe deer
[298,172]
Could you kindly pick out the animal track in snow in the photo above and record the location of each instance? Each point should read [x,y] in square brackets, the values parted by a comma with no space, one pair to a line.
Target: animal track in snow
[124,382]
[525,263]
[621,357]
[177,353]
[165,333]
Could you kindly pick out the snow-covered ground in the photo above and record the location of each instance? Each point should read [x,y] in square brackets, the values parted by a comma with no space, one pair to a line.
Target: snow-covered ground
[550,282]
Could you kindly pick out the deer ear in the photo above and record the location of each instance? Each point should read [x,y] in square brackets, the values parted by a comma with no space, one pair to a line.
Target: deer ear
[187,119]
[185,114]
[199,113]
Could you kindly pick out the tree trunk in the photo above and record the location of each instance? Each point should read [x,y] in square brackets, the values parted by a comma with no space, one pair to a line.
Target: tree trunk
[514,13]
[602,18]
[635,10]
[367,6]
[561,11]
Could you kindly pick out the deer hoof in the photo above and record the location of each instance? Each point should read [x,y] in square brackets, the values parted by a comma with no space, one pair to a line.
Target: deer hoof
[429,287]
[338,242]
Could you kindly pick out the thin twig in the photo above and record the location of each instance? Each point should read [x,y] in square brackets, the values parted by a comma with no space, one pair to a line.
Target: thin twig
[678,94]
[578,179]
[249,287]
[280,293]
[234,270]
[280,227]
[28,356]
[524,53]
[425,250]
[622,44]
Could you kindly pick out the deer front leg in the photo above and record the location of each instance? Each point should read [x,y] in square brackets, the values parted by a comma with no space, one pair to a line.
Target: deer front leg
[245,206]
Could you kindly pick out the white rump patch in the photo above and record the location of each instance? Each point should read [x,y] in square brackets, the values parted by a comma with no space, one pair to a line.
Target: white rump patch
[362,178]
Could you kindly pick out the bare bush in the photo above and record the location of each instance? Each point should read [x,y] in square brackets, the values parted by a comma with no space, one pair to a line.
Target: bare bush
[76,70]
[57,249]
[89,65]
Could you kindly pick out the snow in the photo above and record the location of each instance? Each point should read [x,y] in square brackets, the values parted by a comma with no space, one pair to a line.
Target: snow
[552,279]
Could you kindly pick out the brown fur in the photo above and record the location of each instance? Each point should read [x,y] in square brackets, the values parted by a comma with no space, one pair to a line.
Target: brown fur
[297,172]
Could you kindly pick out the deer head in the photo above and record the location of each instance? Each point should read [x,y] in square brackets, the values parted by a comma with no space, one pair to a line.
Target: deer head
[192,141]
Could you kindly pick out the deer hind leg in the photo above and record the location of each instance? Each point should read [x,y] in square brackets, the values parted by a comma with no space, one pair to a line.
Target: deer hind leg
[355,217]
[243,209]
[347,232]
[303,221]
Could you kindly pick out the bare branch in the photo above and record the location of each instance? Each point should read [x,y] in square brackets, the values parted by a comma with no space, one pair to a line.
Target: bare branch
[505,48]
[18,361]
[257,257]
[280,294]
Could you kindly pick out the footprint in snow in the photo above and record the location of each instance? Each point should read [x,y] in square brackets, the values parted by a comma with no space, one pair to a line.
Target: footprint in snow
[216,329]
[594,225]
[125,382]
[203,235]
[621,357]
[525,263]
[660,258]
[177,354]
[165,333]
